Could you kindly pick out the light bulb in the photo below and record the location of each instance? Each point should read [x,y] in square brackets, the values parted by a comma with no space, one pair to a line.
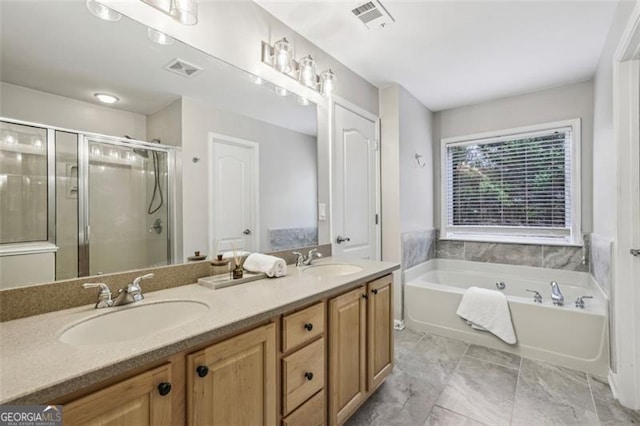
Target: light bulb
[255,79]
[303,101]
[282,54]
[281,91]
[105,98]
[103,12]
[308,71]
[36,141]
[10,138]
[159,37]
[328,82]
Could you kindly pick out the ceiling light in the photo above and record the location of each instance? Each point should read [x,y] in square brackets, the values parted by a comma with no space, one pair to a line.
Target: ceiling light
[183,11]
[303,101]
[282,54]
[281,91]
[328,82]
[106,98]
[102,11]
[159,37]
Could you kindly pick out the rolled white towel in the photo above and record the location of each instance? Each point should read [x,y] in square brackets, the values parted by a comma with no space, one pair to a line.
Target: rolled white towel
[229,254]
[270,265]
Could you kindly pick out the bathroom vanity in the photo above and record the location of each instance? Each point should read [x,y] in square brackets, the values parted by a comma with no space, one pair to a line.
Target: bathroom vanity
[308,349]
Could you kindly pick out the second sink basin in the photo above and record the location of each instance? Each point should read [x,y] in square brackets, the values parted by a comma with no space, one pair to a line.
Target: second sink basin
[133,321]
[331,269]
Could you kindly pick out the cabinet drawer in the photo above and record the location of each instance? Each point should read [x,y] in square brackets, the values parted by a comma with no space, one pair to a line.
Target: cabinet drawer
[303,326]
[302,375]
[310,414]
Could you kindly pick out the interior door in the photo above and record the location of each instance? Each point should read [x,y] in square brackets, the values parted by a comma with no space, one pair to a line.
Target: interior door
[355,188]
[234,195]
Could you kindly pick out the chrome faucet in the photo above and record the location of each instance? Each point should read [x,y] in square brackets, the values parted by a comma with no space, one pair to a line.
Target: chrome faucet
[556,295]
[580,302]
[132,292]
[303,260]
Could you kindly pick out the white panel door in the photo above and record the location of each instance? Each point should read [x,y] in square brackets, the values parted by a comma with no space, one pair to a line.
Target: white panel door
[233,206]
[355,231]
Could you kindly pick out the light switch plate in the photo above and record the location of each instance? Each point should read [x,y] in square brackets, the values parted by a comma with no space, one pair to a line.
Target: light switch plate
[322,211]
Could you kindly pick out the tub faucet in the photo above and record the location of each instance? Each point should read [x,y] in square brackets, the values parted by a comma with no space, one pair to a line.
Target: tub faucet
[132,292]
[556,295]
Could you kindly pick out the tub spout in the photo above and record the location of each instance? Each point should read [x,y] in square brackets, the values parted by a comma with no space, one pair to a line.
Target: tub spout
[556,295]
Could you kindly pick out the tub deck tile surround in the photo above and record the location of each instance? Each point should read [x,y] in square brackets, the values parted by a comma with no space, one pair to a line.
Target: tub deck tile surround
[569,258]
[417,247]
[484,387]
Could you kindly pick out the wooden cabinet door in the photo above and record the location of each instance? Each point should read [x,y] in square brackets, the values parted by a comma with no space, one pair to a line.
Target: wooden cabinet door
[380,330]
[135,401]
[347,354]
[234,382]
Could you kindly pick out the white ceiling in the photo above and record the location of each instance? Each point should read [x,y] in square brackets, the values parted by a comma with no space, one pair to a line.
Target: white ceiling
[454,53]
[60,48]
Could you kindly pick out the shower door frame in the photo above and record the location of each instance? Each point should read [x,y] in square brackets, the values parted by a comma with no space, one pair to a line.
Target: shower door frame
[84,227]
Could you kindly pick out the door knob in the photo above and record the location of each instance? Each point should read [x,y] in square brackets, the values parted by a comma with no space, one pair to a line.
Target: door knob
[341,239]
[247,231]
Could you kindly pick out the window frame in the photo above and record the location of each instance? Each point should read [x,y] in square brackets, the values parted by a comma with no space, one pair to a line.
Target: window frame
[521,235]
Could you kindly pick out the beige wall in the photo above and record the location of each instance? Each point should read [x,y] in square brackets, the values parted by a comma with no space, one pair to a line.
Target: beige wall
[561,103]
[287,159]
[390,172]
[21,103]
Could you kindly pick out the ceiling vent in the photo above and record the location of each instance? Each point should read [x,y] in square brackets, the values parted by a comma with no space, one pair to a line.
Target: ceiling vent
[183,68]
[373,15]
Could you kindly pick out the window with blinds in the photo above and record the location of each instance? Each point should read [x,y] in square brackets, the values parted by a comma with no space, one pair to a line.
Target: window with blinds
[518,185]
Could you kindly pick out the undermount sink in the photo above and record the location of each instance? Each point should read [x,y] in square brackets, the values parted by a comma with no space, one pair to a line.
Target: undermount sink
[332,269]
[127,323]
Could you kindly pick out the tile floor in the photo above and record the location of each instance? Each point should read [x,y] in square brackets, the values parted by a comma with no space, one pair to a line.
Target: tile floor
[440,381]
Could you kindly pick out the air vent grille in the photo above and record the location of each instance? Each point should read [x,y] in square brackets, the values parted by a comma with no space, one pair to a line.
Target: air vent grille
[183,68]
[373,15]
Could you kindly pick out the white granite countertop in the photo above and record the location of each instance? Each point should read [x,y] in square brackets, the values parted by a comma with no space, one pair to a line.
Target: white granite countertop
[36,368]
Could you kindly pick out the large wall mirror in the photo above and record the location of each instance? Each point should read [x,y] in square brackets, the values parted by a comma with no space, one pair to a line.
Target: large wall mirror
[193,155]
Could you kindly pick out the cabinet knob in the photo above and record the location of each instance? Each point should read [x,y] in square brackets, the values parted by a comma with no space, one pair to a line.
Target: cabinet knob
[308,375]
[164,388]
[308,326]
[374,291]
[364,296]
[202,370]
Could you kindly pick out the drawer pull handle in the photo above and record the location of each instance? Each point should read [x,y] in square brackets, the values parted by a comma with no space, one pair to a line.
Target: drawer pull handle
[202,370]
[164,388]
[308,375]
[374,291]
[308,326]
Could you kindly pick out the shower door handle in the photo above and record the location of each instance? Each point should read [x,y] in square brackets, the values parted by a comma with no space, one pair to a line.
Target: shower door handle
[247,231]
[635,252]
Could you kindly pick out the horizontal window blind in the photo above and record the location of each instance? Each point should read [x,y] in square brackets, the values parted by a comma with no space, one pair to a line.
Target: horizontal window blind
[521,180]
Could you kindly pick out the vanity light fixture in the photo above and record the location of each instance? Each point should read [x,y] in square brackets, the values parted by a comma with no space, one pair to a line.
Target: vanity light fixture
[255,79]
[279,56]
[36,141]
[281,91]
[103,12]
[10,138]
[303,101]
[307,71]
[327,82]
[105,98]
[183,11]
[159,37]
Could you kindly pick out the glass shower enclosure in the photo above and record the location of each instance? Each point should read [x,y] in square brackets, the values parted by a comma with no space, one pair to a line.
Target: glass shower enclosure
[105,202]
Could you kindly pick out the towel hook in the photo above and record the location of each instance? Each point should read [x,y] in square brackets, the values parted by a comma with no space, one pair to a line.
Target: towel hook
[420,161]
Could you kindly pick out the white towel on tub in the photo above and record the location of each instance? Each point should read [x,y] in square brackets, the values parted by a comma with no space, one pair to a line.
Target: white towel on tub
[270,265]
[487,310]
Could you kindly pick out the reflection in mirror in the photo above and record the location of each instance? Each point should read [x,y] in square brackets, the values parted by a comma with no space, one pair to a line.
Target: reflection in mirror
[230,162]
